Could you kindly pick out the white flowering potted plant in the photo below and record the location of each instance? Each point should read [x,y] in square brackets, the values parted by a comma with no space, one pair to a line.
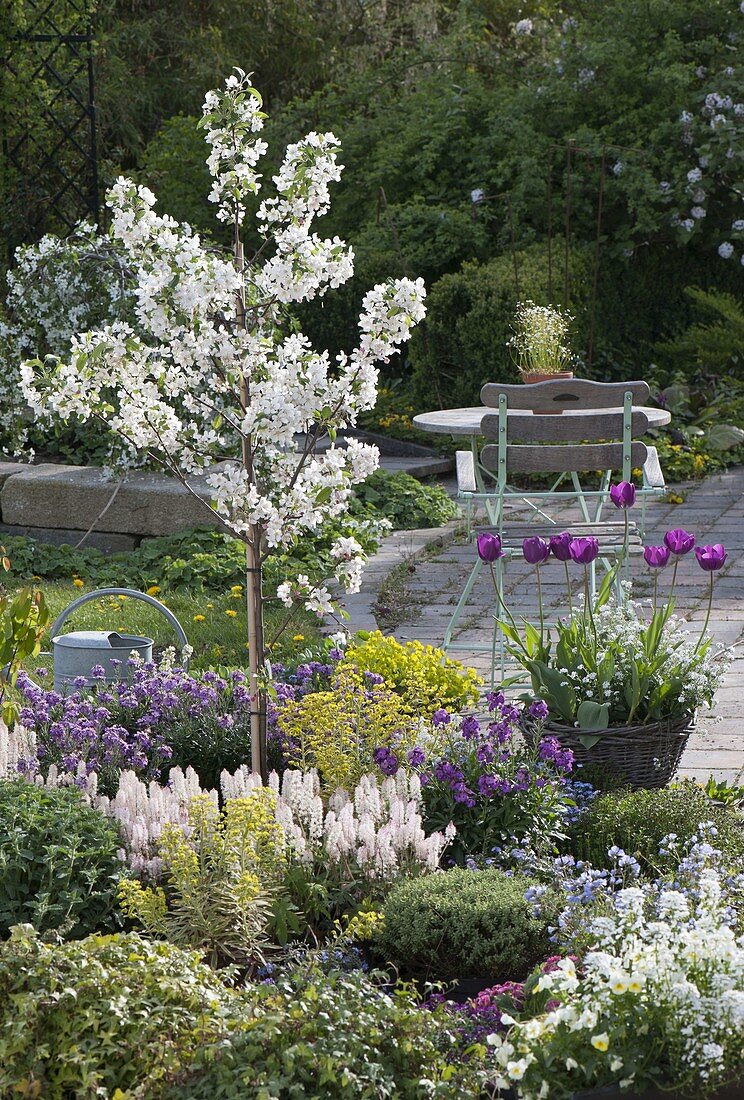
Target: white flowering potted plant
[618,686]
[539,344]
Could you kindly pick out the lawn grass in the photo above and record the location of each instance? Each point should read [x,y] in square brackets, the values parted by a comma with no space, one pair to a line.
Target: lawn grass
[214,623]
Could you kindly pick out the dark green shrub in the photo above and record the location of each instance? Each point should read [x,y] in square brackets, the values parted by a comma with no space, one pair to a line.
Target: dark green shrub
[332,1037]
[101,1016]
[638,821]
[462,924]
[58,861]
[462,343]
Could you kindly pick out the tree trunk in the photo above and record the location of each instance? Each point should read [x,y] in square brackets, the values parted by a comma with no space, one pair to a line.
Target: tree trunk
[253,586]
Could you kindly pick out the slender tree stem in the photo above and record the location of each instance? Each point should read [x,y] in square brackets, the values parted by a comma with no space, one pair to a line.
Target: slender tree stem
[568,587]
[540,604]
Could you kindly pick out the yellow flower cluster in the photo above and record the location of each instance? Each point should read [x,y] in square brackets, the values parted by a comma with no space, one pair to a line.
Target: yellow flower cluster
[364,925]
[148,906]
[337,731]
[424,677]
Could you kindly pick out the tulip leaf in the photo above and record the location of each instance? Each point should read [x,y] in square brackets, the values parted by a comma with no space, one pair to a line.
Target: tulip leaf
[593,716]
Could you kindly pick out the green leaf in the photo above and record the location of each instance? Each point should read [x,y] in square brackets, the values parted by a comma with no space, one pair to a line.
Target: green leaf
[593,716]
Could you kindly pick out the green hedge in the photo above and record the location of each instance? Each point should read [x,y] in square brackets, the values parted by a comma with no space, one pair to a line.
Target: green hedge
[462,343]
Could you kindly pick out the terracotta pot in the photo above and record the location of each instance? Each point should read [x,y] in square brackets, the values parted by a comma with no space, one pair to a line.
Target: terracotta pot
[532,379]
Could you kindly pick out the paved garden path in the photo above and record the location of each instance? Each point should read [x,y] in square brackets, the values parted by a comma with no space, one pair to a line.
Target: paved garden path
[420,595]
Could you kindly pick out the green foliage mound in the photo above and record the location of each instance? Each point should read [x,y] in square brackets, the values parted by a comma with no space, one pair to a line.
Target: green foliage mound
[638,821]
[332,1037]
[58,863]
[100,1016]
[121,1016]
[462,924]
[403,500]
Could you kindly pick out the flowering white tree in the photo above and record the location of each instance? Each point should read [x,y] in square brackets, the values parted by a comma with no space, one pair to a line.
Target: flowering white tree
[206,368]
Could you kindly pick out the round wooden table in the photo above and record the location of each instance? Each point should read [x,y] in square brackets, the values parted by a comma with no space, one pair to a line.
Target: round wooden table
[466,423]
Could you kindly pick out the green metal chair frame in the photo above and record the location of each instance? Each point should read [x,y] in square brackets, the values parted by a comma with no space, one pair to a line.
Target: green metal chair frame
[614,413]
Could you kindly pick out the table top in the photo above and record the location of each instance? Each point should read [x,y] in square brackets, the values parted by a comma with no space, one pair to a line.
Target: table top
[467,422]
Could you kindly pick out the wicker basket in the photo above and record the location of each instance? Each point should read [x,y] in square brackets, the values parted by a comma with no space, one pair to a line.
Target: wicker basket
[641,756]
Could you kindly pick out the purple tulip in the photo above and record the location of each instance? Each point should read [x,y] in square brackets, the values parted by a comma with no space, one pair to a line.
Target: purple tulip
[560,546]
[584,550]
[623,495]
[489,547]
[656,556]
[535,550]
[711,558]
[679,541]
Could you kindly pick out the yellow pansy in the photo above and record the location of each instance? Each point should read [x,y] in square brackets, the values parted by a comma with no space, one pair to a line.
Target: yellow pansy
[601,1042]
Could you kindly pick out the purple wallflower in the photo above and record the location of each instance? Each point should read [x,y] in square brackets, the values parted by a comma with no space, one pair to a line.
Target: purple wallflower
[489,547]
[469,727]
[584,550]
[656,556]
[560,546]
[386,760]
[679,541]
[441,717]
[711,558]
[539,710]
[416,757]
[535,550]
[623,494]
[494,699]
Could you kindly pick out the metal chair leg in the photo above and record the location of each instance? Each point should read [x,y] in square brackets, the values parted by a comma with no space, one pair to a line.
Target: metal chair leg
[474,574]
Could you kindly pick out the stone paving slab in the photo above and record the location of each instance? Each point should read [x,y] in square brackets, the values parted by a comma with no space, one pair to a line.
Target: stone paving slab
[713,510]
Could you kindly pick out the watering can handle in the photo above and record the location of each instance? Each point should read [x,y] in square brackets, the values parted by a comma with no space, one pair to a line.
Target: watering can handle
[132,594]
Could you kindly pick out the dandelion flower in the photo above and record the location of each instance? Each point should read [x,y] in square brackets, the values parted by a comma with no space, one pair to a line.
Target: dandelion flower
[153,590]
[198,618]
[298,638]
[231,613]
[78,583]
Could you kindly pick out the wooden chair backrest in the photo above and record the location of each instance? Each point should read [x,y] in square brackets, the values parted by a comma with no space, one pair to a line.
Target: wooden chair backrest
[579,440]
[559,394]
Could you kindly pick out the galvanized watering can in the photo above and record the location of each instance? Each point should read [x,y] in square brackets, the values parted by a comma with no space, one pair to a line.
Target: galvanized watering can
[77,653]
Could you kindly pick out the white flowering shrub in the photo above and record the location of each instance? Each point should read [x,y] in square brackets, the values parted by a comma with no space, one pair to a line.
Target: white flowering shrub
[659,999]
[709,197]
[206,369]
[56,288]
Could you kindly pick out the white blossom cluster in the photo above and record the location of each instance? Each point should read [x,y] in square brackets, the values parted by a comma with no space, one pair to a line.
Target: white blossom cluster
[377,830]
[693,671]
[234,115]
[205,370]
[664,971]
[715,137]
